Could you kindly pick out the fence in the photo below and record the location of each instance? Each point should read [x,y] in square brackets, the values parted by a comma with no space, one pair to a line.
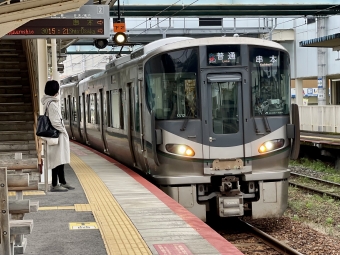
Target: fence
[324,118]
[15,176]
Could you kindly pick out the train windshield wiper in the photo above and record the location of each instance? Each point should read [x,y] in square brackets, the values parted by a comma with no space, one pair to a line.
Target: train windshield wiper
[186,120]
[266,123]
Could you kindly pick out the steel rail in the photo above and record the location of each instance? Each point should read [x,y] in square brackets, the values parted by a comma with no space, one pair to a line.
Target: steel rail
[301,186]
[316,179]
[314,190]
[271,241]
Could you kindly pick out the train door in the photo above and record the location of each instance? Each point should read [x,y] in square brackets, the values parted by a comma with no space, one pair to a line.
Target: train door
[130,124]
[84,101]
[69,109]
[138,141]
[102,128]
[223,125]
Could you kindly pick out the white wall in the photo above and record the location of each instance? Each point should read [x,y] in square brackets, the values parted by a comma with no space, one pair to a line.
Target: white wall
[333,27]
[306,57]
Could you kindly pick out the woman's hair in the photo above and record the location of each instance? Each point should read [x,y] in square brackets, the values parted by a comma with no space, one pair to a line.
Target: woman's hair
[51,88]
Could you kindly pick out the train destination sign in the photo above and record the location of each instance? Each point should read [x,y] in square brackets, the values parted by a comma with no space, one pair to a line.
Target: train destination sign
[61,27]
[89,22]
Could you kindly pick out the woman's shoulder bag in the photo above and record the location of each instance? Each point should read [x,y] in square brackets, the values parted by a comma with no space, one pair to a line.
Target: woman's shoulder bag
[45,128]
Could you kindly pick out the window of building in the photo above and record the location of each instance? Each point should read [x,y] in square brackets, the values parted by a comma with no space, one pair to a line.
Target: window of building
[208,22]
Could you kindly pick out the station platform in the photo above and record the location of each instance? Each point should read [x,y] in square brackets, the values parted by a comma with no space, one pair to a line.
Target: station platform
[320,139]
[114,211]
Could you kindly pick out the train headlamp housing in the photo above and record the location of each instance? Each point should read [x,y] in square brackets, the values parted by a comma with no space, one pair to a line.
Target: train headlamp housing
[271,145]
[180,149]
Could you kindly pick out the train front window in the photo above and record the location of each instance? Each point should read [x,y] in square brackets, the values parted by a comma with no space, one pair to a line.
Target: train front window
[270,81]
[171,84]
[224,107]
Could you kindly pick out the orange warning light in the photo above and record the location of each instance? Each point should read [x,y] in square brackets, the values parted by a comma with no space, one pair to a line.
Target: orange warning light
[119,27]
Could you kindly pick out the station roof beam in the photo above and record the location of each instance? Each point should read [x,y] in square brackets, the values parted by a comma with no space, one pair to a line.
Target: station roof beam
[224,10]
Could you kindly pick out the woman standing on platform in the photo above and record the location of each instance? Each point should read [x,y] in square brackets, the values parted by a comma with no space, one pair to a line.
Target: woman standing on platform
[59,154]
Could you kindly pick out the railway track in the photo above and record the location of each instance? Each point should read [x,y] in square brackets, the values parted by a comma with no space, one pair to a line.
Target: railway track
[251,240]
[320,186]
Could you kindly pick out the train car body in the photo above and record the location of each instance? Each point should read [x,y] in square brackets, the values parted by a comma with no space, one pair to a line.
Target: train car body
[207,118]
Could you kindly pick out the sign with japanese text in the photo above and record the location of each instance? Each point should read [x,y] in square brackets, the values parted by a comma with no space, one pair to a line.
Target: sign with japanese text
[89,21]
[119,27]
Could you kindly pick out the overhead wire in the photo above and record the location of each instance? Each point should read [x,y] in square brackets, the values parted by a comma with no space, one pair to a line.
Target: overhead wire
[155,15]
[183,8]
[304,16]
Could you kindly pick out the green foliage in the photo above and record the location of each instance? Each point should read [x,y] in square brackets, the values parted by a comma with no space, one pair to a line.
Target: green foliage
[295,217]
[309,204]
[329,220]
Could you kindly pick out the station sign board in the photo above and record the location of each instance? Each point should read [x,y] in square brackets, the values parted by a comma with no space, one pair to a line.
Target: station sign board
[90,21]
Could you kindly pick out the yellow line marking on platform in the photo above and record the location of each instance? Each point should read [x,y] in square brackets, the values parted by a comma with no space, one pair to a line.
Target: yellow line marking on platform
[69,207]
[45,208]
[83,207]
[110,217]
[28,193]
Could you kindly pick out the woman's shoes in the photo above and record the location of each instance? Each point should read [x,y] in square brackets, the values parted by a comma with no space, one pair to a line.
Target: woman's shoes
[58,189]
[67,186]
[61,187]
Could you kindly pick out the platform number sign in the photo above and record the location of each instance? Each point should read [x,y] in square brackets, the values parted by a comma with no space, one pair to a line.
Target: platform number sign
[100,10]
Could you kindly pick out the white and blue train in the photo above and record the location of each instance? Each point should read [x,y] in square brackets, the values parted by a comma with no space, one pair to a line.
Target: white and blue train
[210,120]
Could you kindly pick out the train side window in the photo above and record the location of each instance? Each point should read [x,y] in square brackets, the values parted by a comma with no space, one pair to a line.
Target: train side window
[62,106]
[66,108]
[97,102]
[98,108]
[92,109]
[88,109]
[121,109]
[137,124]
[115,105]
[80,109]
[74,109]
[108,109]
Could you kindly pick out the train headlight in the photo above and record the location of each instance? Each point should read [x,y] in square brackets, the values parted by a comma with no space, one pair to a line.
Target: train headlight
[271,145]
[180,149]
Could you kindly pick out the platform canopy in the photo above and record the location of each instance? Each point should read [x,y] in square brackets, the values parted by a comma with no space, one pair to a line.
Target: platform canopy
[328,41]
[13,14]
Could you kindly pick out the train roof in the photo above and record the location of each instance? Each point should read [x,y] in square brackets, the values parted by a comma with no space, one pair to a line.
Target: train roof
[172,43]
[79,76]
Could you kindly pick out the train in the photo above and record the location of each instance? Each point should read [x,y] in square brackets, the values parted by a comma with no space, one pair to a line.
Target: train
[209,120]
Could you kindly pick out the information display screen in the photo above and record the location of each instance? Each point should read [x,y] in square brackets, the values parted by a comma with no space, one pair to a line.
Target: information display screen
[60,27]
[223,55]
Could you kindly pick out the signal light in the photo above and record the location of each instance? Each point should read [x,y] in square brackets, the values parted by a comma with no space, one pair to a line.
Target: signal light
[120,38]
[100,43]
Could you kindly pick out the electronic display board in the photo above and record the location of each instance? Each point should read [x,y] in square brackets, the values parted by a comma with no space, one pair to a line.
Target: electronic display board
[88,22]
[61,27]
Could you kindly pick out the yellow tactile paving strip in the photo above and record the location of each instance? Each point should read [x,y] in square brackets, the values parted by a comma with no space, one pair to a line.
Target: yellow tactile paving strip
[83,207]
[76,207]
[119,234]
